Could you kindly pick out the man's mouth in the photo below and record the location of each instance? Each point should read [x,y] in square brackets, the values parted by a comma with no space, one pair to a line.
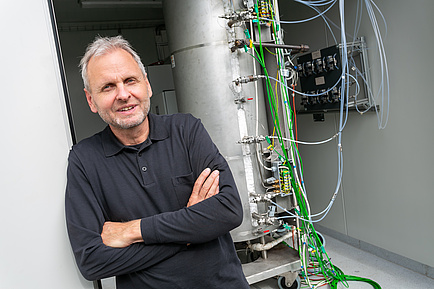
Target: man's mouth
[127,108]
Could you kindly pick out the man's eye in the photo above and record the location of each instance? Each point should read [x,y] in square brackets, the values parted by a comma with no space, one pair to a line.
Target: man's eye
[107,87]
[130,80]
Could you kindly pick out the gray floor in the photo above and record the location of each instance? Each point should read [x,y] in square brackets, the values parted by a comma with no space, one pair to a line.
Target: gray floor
[359,263]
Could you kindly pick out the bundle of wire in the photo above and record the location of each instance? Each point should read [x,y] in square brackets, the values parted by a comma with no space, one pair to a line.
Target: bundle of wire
[317,268]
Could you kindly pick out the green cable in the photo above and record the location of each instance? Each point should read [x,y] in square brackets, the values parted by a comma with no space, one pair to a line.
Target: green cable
[333,274]
[374,284]
[334,283]
[272,103]
[273,107]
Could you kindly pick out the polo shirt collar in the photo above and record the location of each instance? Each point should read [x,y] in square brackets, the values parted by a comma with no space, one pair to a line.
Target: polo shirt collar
[158,130]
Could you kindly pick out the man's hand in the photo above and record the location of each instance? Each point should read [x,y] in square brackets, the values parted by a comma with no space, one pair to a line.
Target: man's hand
[121,235]
[206,186]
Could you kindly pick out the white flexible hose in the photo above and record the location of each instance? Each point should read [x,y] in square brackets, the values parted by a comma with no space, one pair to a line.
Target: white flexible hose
[268,246]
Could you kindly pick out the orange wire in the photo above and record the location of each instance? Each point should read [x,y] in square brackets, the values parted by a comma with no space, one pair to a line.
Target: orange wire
[295,115]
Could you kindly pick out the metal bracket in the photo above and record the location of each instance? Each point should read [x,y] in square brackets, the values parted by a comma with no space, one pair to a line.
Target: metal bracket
[289,278]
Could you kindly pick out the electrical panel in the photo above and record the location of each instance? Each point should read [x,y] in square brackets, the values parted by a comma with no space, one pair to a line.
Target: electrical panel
[320,74]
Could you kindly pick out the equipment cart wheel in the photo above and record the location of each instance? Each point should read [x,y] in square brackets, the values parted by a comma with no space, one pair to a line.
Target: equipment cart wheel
[282,283]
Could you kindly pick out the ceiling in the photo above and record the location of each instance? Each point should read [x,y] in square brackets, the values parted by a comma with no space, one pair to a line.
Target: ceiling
[70,15]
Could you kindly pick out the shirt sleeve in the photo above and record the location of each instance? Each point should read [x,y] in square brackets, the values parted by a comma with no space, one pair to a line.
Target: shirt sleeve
[85,220]
[209,219]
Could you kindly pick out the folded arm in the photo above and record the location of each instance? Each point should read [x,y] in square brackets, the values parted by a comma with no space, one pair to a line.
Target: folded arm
[124,234]
[203,218]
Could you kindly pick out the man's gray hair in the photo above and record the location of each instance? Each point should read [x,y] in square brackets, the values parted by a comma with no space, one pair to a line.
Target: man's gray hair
[103,45]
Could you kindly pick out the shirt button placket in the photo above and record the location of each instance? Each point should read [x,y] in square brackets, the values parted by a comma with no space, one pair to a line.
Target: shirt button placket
[142,167]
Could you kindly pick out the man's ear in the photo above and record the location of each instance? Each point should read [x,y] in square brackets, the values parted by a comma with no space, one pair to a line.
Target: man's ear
[149,87]
[90,101]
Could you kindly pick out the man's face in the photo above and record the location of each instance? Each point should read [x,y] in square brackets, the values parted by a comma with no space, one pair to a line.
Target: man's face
[119,92]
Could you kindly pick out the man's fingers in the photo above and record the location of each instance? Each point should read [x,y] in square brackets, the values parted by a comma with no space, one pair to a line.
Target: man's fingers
[208,184]
[214,190]
[200,180]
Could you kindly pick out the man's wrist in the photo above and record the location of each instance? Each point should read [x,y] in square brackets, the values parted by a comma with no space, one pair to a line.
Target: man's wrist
[134,232]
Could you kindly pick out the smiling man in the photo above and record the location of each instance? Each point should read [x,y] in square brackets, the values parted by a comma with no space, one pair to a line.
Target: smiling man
[119,91]
[149,199]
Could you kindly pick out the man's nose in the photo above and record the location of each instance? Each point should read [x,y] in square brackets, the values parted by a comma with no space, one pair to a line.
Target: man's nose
[123,92]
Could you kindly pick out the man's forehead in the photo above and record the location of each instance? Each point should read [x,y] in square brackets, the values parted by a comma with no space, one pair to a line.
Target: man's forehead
[112,61]
[115,54]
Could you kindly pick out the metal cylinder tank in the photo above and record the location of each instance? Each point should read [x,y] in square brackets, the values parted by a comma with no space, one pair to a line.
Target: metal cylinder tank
[204,69]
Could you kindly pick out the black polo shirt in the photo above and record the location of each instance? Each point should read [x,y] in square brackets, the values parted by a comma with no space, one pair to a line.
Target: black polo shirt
[108,181]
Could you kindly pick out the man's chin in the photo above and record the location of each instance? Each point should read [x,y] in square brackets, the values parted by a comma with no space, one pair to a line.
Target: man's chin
[127,124]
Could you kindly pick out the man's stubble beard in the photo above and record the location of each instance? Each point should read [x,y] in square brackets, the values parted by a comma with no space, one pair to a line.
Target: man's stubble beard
[124,123]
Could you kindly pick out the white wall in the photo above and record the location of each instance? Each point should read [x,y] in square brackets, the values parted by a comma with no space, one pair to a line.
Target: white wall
[387,194]
[34,249]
